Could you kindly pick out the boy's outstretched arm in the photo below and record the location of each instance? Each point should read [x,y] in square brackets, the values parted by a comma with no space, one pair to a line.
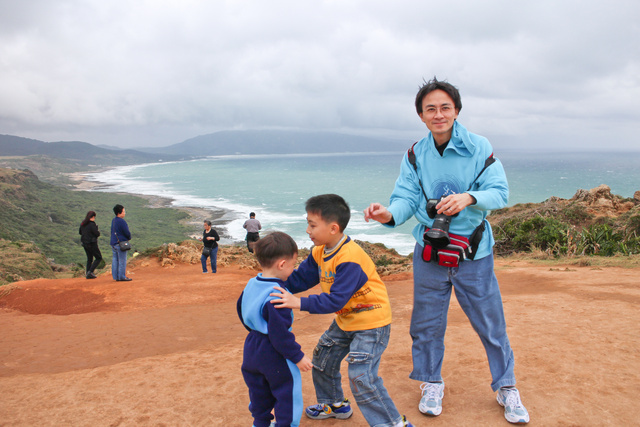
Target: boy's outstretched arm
[304,277]
[284,299]
[349,278]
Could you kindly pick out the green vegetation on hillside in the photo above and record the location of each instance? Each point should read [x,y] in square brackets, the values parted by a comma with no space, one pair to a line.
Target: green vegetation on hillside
[603,224]
[50,216]
[22,261]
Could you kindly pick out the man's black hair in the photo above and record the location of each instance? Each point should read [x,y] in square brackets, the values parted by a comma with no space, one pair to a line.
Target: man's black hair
[435,84]
[273,247]
[117,209]
[331,208]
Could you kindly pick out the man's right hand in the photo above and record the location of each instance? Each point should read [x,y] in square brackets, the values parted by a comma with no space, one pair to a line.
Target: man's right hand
[377,212]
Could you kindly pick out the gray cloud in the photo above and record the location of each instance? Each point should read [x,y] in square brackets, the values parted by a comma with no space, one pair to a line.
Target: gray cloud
[563,75]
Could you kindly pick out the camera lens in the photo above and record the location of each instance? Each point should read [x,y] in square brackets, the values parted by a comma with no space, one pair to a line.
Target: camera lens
[438,234]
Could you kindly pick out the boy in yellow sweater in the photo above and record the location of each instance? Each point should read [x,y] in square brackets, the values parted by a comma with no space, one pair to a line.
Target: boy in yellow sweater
[352,289]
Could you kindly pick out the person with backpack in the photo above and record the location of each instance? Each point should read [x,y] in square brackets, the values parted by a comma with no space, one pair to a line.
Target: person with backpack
[450,181]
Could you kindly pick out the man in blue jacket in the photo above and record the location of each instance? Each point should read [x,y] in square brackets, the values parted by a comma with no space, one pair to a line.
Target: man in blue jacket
[450,181]
[119,233]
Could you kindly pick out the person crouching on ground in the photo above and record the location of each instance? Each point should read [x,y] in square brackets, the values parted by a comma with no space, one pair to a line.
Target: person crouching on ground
[272,359]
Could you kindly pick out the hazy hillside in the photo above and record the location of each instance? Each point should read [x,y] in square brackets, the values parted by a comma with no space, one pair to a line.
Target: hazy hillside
[75,150]
[277,142]
[49,216]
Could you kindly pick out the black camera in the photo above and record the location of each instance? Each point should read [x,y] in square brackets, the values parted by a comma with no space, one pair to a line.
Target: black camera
[438,234]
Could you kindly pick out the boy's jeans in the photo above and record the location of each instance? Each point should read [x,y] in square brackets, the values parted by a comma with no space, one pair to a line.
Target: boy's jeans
[477,291]
[363,350]
[118,263]
[214,261]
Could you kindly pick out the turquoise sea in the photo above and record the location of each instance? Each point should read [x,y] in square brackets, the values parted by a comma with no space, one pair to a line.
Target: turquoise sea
[276,186]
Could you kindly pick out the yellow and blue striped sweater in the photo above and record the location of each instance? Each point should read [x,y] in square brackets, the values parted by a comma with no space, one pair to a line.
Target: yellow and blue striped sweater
[351,287]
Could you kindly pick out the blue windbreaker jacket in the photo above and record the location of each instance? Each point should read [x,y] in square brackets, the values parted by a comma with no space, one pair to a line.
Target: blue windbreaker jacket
[451,173]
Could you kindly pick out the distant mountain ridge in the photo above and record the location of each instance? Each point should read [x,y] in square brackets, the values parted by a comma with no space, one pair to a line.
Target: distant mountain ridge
[213,144]
[76,150]
[277,142]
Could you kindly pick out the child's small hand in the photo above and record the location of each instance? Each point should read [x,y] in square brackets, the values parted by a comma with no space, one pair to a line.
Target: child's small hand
[305,364]
[285,300]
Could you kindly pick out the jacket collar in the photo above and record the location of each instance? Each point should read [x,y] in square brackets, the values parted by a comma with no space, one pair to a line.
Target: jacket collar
[460,141]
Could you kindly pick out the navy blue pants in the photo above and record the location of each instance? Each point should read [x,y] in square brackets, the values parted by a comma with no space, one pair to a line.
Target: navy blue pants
[274,383]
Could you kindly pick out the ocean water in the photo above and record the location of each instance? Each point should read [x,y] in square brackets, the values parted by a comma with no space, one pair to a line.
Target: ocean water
[276,186]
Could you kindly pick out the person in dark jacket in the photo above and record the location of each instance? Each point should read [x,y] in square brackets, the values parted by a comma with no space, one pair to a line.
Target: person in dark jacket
[119,233]
[90,233]
[210,239]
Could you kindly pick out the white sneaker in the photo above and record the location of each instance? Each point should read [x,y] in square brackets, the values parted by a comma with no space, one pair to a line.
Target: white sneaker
[431,400]
[514,410]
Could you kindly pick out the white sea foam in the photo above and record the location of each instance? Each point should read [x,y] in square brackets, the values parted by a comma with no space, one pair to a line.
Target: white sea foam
[275,187]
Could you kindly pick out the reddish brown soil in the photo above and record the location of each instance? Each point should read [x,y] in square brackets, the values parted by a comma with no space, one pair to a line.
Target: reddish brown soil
[166,348]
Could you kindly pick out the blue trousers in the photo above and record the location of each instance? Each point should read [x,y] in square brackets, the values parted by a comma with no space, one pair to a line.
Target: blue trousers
[118,263]
[477,291]
[363,350]
[214,260]
[274,383]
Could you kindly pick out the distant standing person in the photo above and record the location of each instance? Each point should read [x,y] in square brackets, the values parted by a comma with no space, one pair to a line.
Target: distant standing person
[90,233]
[119,232]
[210,239]
[253,226]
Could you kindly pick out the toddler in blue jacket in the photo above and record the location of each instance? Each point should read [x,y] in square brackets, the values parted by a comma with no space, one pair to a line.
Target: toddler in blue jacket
[272,358]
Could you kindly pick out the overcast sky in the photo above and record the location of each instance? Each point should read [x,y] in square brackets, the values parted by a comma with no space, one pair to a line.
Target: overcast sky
[532,74]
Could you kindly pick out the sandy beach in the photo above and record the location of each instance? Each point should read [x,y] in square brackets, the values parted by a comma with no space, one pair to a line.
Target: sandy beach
[166,349]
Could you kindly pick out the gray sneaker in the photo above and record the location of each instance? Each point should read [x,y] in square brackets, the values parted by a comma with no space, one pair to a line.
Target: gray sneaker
[514,410]
[431,400]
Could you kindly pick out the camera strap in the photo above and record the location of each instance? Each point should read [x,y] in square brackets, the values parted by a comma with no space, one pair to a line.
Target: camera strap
[466,248]
[411,155]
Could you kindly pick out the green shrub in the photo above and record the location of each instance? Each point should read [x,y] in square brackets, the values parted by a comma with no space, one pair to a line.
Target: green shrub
[544,233]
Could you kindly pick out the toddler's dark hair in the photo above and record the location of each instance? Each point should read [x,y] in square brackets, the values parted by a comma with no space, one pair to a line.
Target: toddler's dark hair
[273,247]
[331,208]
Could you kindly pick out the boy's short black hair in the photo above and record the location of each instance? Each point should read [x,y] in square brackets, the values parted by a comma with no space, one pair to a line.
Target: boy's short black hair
[117,209]
[331,208]
[274,246]
[435,84]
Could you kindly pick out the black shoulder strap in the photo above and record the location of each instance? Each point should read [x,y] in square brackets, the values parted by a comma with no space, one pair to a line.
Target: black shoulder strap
[490,160]
[411,156]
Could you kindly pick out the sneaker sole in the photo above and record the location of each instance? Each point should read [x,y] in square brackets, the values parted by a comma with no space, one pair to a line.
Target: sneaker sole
[429,411]
[324,416]
[512,420]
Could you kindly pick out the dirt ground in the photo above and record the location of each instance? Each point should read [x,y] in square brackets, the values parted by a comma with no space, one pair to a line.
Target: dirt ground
[166,348]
